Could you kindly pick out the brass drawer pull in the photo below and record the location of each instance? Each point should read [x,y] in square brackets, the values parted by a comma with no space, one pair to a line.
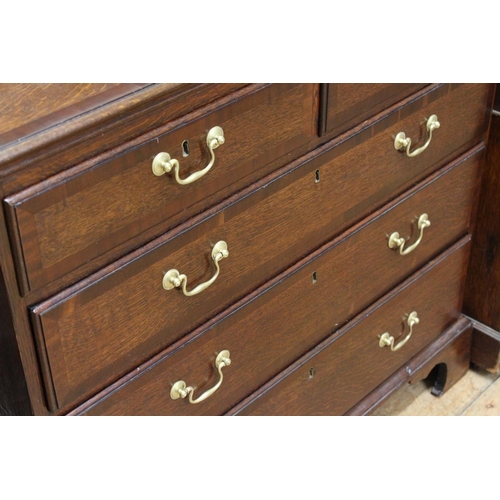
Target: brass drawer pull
[388,340]
[163,163]
[396,242]
[401,141]
[174,279]
[179,389]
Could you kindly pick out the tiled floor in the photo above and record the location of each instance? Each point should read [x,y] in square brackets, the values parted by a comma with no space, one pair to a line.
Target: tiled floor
[477,393]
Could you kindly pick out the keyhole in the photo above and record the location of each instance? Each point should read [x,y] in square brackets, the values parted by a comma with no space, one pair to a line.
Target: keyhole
[312,372]
[316,177]
[185,149]
[315,277]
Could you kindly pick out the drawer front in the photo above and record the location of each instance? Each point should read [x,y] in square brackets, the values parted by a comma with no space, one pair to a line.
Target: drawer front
[96,334]
[346,104]
[316,299]
[367,170]
[341,372]
[77,216]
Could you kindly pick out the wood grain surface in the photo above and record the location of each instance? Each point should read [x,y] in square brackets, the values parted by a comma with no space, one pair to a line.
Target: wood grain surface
[28,108]
[67,221]
[340,372]
[350,103]
[442,363]
[18,336]
[101,330]
[69,142]
[82,129]
[315,305]
[44,231]
[79,142]
[482,294]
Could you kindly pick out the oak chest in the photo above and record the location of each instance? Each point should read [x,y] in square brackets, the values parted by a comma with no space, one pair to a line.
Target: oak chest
[210,249]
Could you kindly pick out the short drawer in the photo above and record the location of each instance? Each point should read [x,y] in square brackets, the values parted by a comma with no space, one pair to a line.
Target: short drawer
[346,104]
[345,368]
[72,218]
[316,298]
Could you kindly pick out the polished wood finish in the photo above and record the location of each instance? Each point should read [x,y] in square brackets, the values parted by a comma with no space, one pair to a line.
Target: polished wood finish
[329,381]
[444,361]
[111,124]
[28,160]
[18,335]
[368,148]
[364,183]
[346,104]
[312,315]
[67,221]
[91,338]
[482,294]
[27,109]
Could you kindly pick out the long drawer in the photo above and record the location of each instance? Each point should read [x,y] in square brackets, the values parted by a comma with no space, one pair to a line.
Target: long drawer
[97,333]
[64,223]
[74,217]
[341,375]
[338,373]
[335,280]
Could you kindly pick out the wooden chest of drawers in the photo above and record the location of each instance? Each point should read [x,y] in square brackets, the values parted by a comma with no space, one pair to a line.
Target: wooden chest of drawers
[232,249]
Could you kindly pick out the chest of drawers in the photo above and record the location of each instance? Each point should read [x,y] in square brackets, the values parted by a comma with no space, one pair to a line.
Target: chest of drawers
[233,249]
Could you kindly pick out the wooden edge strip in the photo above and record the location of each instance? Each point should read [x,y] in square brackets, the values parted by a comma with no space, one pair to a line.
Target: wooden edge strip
[323,109]
[494,334]
[16,247]
[50,393]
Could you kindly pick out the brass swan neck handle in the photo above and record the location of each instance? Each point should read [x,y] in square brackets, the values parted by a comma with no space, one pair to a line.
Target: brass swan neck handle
[395,241]
[403,142]
[173,279]
[388,340]
[181,390]
[163,163]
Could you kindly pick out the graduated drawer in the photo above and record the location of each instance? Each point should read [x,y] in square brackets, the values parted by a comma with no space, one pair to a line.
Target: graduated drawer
[315,298]
[346,104]
[347,367]
[69,219]
[90,335]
